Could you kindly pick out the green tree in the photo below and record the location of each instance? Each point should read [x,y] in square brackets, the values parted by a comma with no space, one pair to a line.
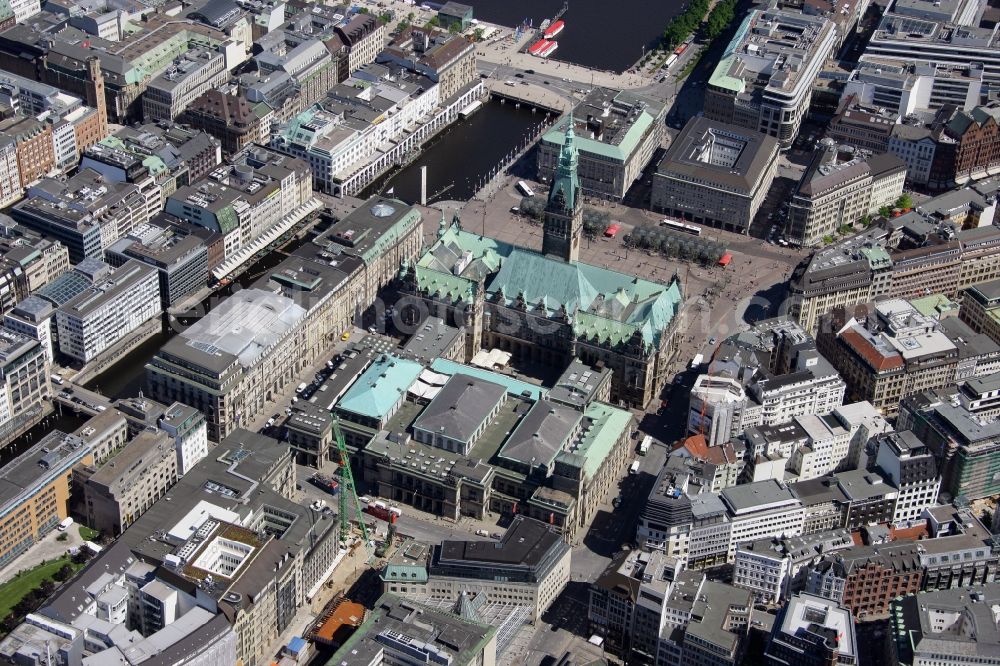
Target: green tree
[433,22]
[904,201]
[385,17]
[477,34]
[884,211]
[453,28]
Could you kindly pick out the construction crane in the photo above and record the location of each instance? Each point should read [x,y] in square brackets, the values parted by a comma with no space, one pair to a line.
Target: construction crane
[348,494]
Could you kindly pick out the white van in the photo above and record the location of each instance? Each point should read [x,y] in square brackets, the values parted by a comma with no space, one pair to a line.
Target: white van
[65,524]
[634,469]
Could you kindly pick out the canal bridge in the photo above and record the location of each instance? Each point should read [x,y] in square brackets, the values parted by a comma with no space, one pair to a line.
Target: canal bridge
[529,94]
[81,400]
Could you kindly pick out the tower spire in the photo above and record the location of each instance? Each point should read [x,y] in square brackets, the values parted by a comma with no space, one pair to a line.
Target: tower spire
[563,212]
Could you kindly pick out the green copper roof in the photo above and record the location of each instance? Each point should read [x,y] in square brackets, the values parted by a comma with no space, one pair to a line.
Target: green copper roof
[557,135]
[404,573]
[606,426]
[720,75]
[607,304]
[877,257]
[380,387]
[935,305]
[566,182]
[602,303]
[443,286]
[513,386]
[155,164]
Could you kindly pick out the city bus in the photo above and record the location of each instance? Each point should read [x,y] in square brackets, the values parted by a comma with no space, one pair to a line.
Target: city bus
[681,227]
[525,190]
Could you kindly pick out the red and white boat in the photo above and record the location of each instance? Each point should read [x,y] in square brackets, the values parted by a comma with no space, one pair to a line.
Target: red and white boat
[535,48]
[553,30]
[543,48]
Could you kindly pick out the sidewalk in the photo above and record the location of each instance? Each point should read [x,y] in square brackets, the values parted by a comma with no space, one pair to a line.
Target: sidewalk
[48,548]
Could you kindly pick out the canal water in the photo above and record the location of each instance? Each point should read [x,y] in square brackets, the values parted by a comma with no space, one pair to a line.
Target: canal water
[60,419]
[128,376]
[598,34]
[462,156]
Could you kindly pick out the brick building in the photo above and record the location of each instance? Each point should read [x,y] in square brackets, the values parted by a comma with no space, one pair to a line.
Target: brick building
[865,579]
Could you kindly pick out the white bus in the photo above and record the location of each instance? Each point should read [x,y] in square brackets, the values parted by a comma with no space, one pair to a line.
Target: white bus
[647,442]
[525,190]
[681,227]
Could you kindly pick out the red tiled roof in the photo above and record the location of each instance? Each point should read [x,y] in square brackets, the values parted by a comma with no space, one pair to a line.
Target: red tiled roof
[872,356]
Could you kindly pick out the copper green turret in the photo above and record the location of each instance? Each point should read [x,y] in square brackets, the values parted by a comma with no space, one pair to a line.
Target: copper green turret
[565,182]
[563,212]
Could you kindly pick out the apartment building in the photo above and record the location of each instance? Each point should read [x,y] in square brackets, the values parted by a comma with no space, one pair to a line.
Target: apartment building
[189,430]
[276,337]
[84,213]
[764,79]
[245,198]
[899,353]
[36,491]
[841,186]
[865,579]
[812,631]
[232,119]
[23,371]
[229,525]
[365,37]
[964,446]
[108,312]
[970,638]
[908,464]
[399,631]
[770,567]
[124,487]
[617,133]
[184,80]
[756,510]
[530,566]
[715,173]
[766,376]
